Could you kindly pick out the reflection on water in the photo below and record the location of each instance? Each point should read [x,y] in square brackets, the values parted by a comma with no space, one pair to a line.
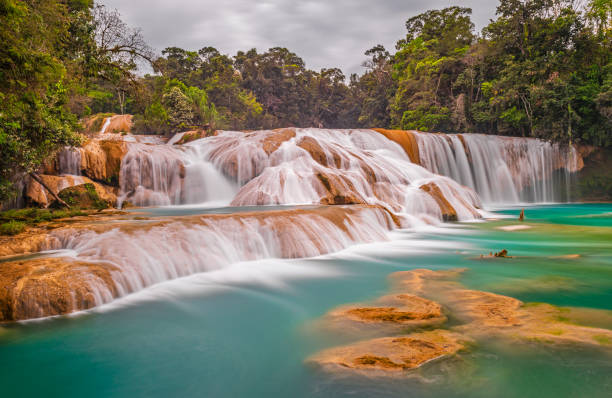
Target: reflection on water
[246,330]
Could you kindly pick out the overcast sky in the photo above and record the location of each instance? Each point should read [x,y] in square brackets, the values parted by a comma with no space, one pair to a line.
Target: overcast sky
[325,33]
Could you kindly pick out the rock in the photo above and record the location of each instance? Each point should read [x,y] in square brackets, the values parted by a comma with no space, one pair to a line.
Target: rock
[273,141]
[189,136]
[120,124]
[101,160]
[406,140]
[41,287]
[503,253]
[38,196]
[88,196]
[522,215]
[393,353]
[30,241]
[338,190]
[400,309]
[448,211]
[310,145]
[489,315]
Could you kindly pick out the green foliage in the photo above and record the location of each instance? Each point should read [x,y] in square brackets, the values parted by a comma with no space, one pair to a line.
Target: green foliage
[19,218]
[541,69]
[12,227]
[83,196]
[38,75]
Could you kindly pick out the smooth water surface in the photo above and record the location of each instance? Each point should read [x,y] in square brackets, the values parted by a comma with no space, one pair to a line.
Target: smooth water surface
[246,331]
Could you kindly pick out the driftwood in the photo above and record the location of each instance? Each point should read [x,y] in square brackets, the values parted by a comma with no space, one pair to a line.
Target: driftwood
[39,180]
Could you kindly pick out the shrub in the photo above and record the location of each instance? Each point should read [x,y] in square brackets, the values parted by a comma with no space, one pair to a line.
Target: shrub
[12,227]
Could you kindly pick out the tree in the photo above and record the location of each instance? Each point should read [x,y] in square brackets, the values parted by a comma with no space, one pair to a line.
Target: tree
[38,66]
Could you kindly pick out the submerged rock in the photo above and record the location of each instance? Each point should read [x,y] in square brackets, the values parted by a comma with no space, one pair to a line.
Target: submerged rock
[393,353]
[486,314]
[395,310]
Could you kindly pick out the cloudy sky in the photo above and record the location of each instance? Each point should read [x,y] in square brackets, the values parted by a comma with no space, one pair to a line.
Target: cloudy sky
[325,33]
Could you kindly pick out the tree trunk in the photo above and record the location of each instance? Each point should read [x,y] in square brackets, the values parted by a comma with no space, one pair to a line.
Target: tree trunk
[39,180]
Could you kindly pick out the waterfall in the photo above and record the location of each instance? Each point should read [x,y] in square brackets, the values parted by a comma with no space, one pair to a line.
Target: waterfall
[502,170]
[69,161]
[162,175]
[171,249]
[107,123]
[315,166]
[391,179]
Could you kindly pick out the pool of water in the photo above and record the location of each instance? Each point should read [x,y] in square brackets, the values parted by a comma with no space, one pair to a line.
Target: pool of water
[246,331]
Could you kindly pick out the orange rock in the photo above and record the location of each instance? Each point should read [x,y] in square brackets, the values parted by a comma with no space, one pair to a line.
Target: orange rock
[273,141]
[448,211]
[101,160]
[393,353]
[406,140]
[395,309]
[38,196]
[50,286]
[120,124]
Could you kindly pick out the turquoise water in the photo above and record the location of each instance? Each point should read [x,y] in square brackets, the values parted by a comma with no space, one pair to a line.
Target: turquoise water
[225,336]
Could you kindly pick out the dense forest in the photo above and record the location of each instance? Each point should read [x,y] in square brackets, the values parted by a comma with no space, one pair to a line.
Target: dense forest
[541,68]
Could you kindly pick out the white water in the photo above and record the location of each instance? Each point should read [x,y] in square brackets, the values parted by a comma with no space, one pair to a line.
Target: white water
[107,123]
[362,166]
[147,255]
[162,175]
[69,161]
[502,170]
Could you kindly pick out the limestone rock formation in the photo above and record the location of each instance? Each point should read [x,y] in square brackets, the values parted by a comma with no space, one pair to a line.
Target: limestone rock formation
[393,353]
[50,286]
[406,140]
[404,310]
[101,160]
[36,195]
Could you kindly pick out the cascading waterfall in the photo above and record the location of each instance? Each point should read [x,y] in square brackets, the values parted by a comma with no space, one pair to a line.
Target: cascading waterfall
[162,175]
[69,161]
[395,179]
[171,249]
[292,166]
[501,169]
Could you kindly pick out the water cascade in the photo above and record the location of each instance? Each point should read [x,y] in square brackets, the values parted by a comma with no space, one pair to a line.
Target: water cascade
[501,169]
[295,166]
[162,175]
[107,261]
[69,161]
[390,178]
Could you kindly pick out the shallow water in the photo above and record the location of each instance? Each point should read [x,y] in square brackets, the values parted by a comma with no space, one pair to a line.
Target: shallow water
[246,330]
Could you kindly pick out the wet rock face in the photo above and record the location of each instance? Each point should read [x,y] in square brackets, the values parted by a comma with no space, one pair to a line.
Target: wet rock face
[406,140]
[101,160]
[51,286]
[448,211]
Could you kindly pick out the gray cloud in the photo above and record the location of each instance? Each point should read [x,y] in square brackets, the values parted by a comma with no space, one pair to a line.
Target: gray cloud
[325,33]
